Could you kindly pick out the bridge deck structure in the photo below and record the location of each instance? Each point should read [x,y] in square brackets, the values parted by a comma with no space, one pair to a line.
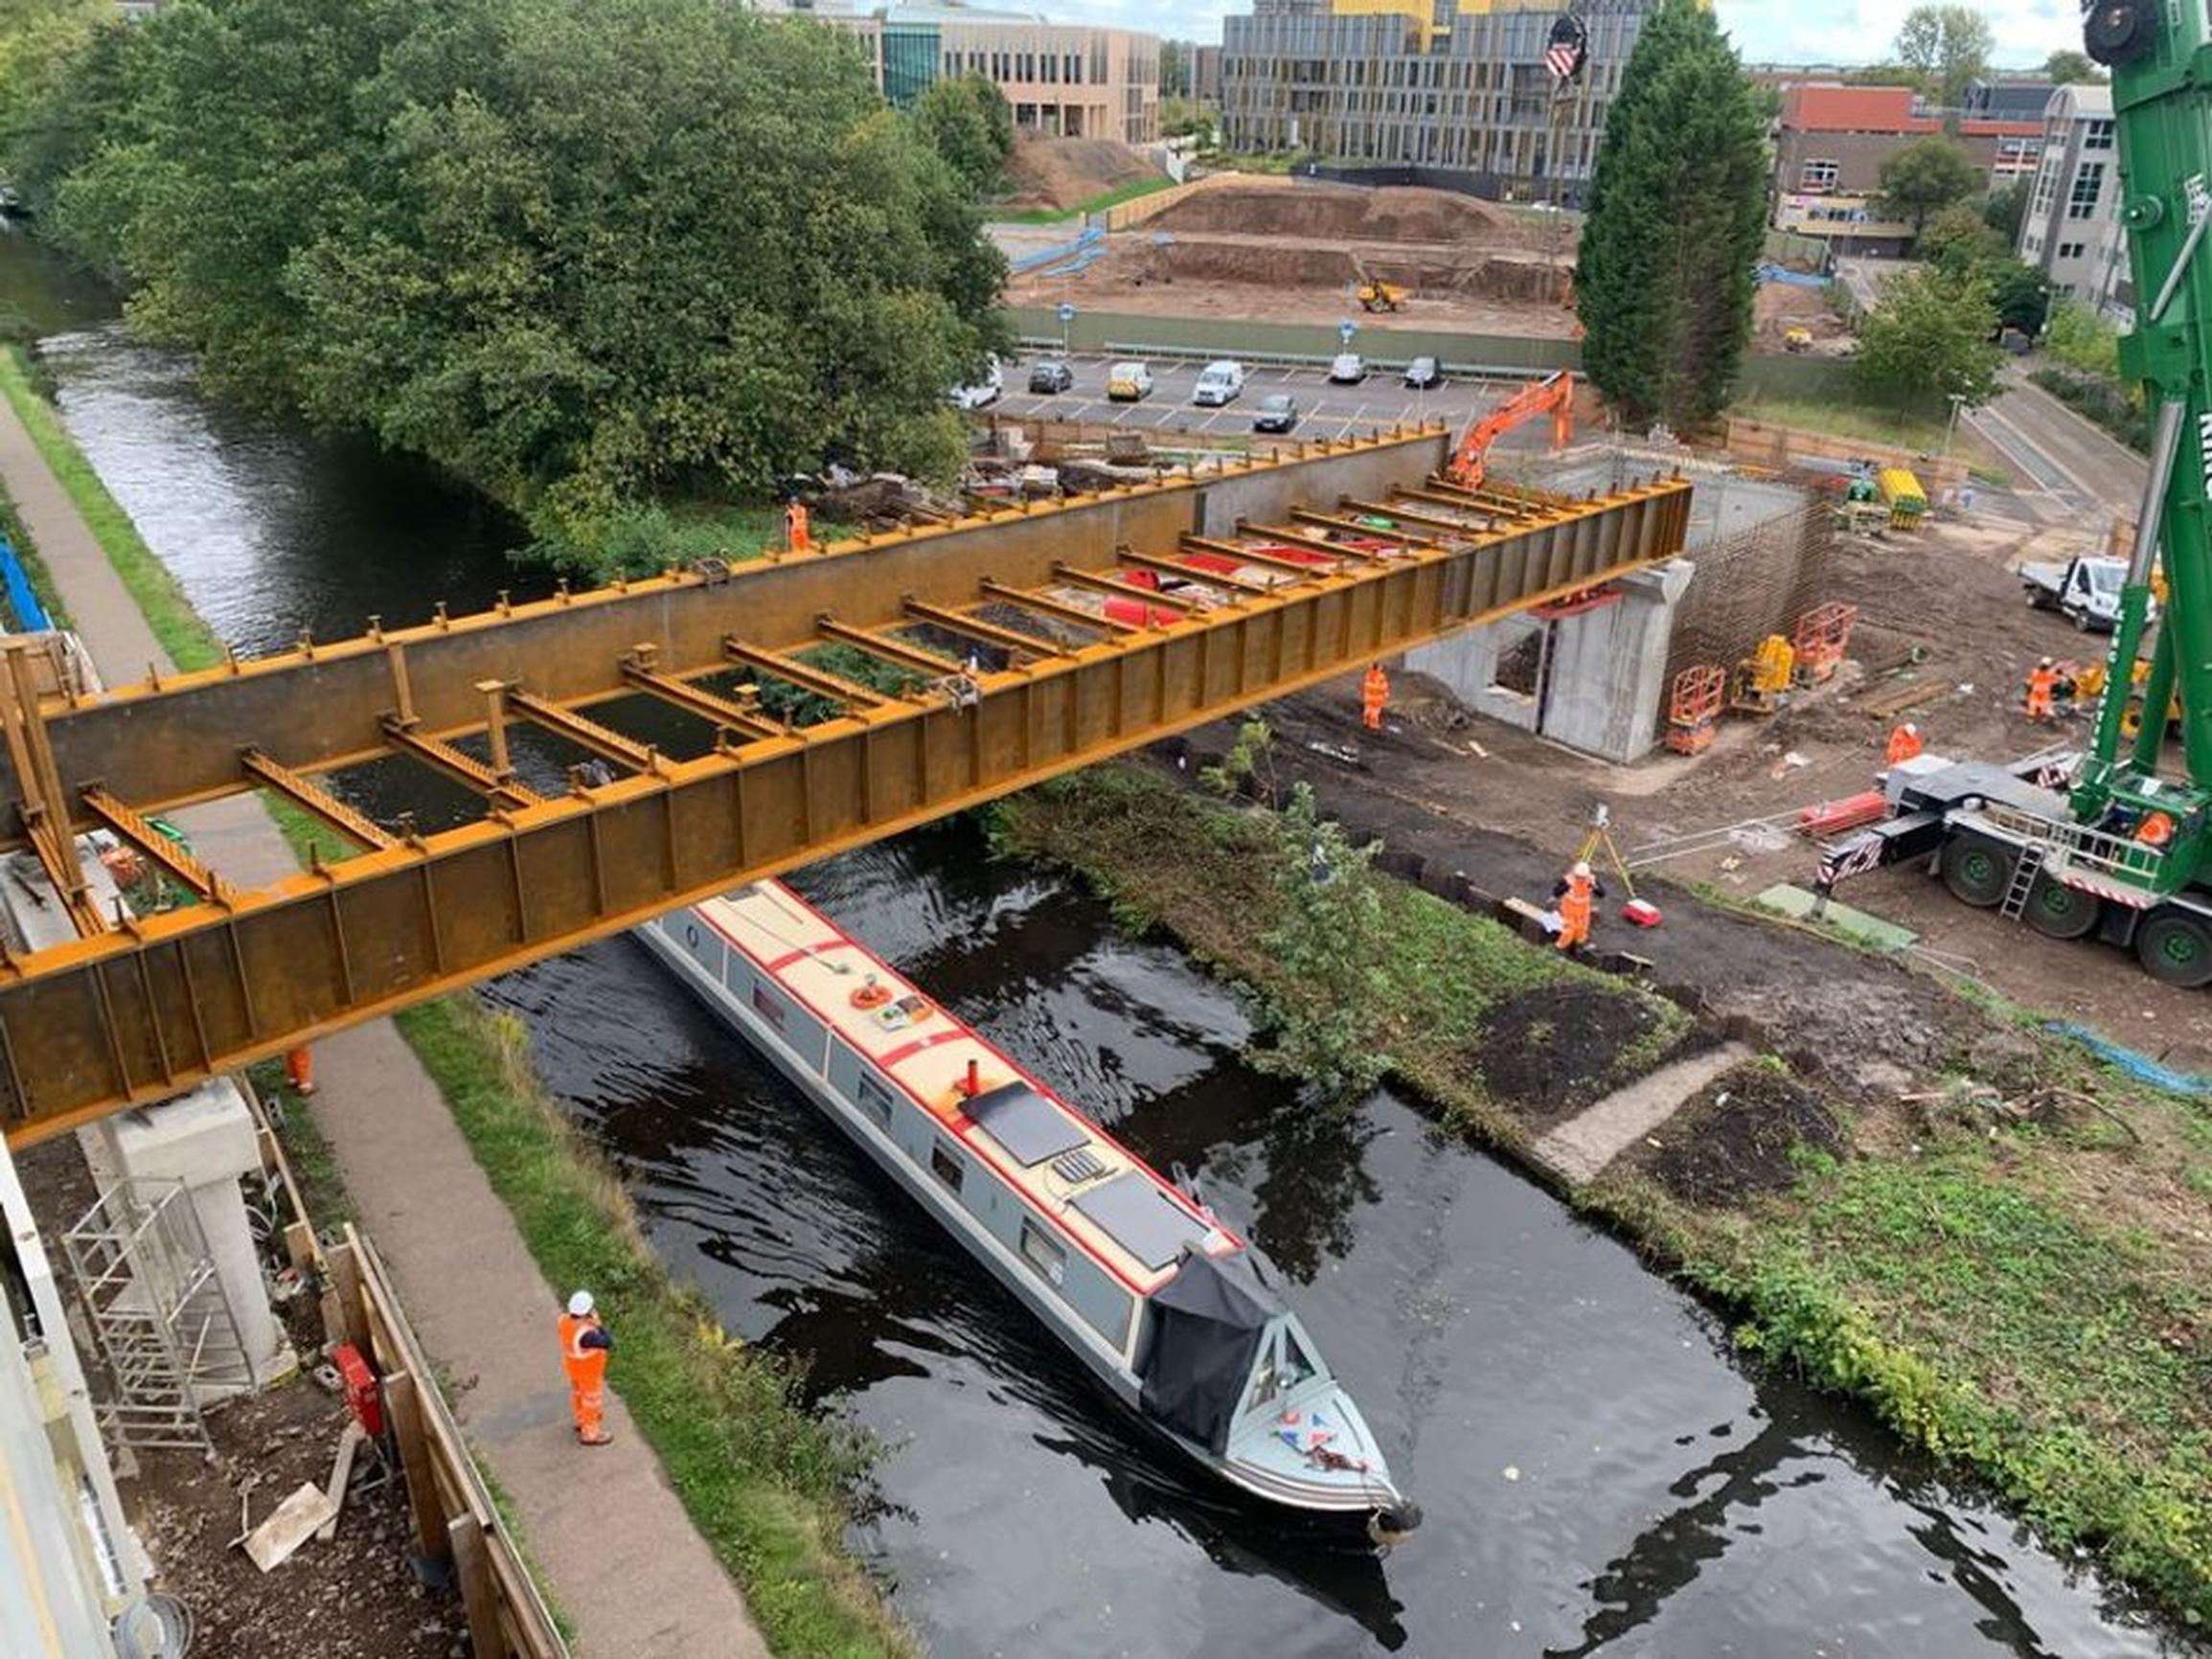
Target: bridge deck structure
[691,732]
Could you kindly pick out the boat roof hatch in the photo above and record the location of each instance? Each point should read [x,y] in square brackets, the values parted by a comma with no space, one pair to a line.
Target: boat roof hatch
[1141,1218]
[1027,1125]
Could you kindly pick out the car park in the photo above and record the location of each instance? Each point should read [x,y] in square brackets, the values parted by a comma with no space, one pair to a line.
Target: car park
[1129,382]
[1051,376]
[1424,374]
[1278,411]
[1348,370]
[1218,383]
[983,391]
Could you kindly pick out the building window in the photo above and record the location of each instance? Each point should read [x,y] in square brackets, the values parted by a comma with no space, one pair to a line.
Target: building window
[1044,1254]
[2099,136]
[1818,175]
[945,1165]
[2088,186]
[876,1100]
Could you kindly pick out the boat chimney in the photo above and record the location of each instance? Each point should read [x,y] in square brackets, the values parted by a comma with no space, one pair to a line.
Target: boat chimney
[973,1085]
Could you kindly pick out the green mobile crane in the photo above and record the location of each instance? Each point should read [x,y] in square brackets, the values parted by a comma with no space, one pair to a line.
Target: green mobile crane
[2103,842]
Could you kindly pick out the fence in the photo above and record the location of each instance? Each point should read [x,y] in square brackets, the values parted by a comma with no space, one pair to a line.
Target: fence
[31,615]
[1123,216]
[455,1520]
[1785,446]
[1502,356]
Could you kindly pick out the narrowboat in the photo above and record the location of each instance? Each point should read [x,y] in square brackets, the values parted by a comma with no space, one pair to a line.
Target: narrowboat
[1173,1313]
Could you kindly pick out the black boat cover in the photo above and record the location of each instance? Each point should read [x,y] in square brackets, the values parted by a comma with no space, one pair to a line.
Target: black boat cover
[1207,1322]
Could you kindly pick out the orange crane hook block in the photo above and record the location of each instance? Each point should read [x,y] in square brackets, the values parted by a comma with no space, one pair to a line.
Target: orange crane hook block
[1554,395]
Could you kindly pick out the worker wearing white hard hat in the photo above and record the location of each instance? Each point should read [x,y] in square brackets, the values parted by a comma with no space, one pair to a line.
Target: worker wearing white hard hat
[1575,898]
[584,1345]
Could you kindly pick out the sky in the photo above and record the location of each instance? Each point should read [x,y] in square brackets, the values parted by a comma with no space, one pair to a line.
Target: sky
[1765,31]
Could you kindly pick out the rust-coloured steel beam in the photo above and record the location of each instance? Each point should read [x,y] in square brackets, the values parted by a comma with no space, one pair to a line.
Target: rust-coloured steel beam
[902,653]
[1262,559]
[95,1024]
[965,626]
[152,844]
[312,797]
[1288,536]
[503,792]
[1399,510]
[1228,581]
[805,675]
[1407,521]
[1113,588]
[698,700]
[585,734]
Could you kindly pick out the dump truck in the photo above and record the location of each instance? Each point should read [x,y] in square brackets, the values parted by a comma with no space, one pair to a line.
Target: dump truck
[1380,296]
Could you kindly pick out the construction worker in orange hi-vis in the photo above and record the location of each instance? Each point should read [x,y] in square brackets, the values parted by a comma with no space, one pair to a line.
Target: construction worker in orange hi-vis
[1374,693]
[2042,689]
[584,1345]
[796,538]
[1576,897]
[1903,743]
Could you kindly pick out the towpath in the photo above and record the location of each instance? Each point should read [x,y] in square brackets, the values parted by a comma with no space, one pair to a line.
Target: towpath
[603,1527]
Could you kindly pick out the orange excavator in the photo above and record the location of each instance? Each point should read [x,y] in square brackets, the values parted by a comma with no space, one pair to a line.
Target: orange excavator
[1554,395]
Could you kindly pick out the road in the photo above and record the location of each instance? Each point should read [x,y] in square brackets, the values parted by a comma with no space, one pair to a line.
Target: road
[2070,469]
[1325,411]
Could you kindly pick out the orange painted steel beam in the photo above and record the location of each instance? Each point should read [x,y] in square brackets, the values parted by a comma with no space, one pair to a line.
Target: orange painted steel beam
[96,1024]
[976,629]
[698,700]
[821,682]
[162,849]
[1263,559]
[892,649]
[1114,587]
[1228,581]
[1059,609]
[312,797]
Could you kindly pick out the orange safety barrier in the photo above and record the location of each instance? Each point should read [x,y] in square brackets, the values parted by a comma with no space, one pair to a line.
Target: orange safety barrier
[1823,635]
[1694,711]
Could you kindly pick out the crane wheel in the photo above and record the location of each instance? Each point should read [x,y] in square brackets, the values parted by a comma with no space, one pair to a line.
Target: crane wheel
[2117,32]
[1977,870]
[2175,946]
[2057,911]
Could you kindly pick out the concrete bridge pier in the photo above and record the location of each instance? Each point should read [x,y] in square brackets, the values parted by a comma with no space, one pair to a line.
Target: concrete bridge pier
[1600,674]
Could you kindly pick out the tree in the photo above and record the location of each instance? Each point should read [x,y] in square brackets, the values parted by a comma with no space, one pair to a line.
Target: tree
[1925,176]
[967,119]
[2021,294]
[1175,68]
[590,256]
[1930,338]
[2006,208]
[1960,239]
[1947,45]
[2070,68]
[1890,75]
[2079,337]
[1677,214]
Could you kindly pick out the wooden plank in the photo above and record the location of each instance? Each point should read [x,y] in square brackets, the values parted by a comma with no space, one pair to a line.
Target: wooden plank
[301,1247]
[291,1523]
[407,1408]
[353,1310]
[1898,699]
[479,1593]
[341,1476]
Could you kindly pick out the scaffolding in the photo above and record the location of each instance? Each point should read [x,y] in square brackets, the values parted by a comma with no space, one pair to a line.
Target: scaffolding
[159,1316]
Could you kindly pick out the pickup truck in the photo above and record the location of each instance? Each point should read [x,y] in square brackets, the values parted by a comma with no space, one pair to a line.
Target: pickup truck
[2085,590]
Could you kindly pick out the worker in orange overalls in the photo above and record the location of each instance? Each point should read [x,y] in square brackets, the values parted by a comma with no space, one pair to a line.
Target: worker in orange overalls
[2043,690]
[1575,897]
[1374,693]
[796,538]
[1903,743]
[584,1345]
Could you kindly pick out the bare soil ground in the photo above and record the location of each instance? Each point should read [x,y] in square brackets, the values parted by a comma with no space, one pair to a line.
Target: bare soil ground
[1295,251]
[1066,172]
[1780,307]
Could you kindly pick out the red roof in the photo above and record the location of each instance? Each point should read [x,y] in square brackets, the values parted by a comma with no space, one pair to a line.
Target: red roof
[1854,109]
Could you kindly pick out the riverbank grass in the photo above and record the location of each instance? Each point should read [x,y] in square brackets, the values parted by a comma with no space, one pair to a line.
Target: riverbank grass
[190,644]
[763,1479]
[27,555]
[2012,1270]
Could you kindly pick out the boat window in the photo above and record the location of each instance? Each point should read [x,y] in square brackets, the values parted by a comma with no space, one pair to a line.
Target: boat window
[770,1007]
[1267,1381]
[875,1099]
[1044,1254]
[1296,1367]
[947,1165]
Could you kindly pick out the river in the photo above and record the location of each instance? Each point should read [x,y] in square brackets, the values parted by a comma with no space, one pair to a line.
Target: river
[1600,1474]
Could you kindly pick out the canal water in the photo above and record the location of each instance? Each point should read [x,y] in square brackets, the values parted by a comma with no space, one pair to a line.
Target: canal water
[1600,1474]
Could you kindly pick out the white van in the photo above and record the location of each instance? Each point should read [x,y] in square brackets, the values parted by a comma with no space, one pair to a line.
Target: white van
[1218,383]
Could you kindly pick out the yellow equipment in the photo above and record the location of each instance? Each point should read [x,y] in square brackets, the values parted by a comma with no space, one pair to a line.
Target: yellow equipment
[1908,500]
[1376,296]
[1797,340]
[2088,683]
[1761,682]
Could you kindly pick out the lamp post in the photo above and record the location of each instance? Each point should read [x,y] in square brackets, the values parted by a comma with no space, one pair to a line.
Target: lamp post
[1957,402]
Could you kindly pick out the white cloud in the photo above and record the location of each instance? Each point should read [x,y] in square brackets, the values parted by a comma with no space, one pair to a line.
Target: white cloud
[1765,31]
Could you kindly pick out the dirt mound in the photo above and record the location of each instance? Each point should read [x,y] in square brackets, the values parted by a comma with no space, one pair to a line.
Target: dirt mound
[1740,1136]
[1260,263]
[1545,1054]
[1066,172]
[1341,213]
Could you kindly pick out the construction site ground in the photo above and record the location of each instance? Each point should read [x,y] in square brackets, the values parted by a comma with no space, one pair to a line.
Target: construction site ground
[1060,173]
[1296,250]
[1938,606]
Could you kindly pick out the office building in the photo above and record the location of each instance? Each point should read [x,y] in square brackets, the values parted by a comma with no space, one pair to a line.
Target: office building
[2072,231]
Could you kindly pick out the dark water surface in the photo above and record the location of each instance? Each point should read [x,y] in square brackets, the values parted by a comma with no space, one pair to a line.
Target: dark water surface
[1599,1475]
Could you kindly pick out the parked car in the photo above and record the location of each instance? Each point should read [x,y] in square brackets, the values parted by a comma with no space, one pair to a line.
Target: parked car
[1278,411]
[1127,382]
[1348,370]
[1422,375]
[984,392]
[1218,383]
[1050,376]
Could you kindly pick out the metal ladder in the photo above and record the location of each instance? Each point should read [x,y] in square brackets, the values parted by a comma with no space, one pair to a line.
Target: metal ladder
[2025,870]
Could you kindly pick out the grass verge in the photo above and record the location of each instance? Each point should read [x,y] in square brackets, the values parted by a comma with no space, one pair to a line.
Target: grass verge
[34,569]
[1922,434]
[764,1480]
[2012,1272]
[1097,204]
[190,642]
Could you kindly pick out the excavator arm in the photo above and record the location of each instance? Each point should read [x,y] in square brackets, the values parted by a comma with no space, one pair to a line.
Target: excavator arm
[1553,396]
